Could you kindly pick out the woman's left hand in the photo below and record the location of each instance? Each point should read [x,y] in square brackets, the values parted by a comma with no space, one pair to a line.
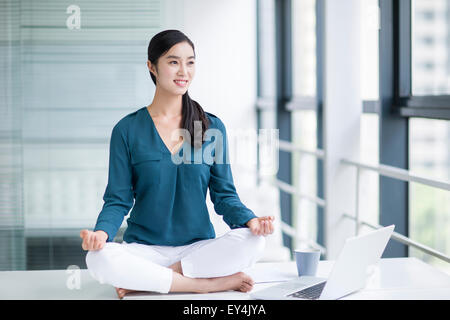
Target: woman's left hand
[261,226]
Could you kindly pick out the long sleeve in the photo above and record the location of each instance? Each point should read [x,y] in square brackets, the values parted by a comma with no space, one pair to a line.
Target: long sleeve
[222,190]
[118,197]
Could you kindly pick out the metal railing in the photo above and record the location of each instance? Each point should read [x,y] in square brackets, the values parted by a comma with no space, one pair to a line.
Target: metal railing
[289,147]
[289,230]
[405,240]
[384,170]
[286,187]
[399,174]
[318,153]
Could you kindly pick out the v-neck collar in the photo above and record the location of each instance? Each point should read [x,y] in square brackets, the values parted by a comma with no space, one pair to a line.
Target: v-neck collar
[159,136]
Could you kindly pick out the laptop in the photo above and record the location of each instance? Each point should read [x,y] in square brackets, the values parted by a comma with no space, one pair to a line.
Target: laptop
[349,273]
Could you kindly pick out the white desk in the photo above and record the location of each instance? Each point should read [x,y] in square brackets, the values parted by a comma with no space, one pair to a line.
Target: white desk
[399,278]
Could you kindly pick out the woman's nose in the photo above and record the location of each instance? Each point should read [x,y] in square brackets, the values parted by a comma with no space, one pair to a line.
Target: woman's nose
[182,69]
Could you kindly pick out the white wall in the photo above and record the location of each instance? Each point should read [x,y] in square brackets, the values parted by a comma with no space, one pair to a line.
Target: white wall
[225,84]
[224,33]
[342,111]
[224,36]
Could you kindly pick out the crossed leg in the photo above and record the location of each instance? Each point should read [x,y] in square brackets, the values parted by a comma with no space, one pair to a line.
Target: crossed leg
[213,265]
[238,281]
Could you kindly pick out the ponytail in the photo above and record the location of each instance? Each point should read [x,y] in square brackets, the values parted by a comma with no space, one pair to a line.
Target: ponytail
[191,112]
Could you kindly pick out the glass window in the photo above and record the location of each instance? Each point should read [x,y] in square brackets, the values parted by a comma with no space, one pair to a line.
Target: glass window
[266,50]
[304,170]
[430,31]
[268,160]
[429,216]
[268,119]
[64,90]
[304,122]
[369,50]
[268,154]
[304,47]
[369,180]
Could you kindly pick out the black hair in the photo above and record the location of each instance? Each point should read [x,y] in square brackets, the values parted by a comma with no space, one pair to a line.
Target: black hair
[191,110]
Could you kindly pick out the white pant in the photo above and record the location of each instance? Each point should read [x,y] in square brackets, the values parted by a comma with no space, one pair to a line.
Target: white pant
[143,267]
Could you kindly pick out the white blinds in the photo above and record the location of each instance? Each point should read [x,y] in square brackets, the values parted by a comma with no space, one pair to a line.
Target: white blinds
[61,92]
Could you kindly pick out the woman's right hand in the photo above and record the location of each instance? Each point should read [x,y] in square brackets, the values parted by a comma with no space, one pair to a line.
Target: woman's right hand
[93,240]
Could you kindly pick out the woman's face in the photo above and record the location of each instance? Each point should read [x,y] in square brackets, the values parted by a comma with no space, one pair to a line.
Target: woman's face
[176,64]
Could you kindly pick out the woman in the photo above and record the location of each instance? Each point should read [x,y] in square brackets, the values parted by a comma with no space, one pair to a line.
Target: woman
[169,244]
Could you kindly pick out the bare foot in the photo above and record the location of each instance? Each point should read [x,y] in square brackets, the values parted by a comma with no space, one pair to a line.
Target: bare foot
[238,281]
[122,292]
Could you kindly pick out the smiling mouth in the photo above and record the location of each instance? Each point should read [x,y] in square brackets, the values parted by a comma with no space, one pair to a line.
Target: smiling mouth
[180,83]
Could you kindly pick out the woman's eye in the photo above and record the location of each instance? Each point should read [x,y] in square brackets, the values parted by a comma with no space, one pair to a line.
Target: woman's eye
[176,62]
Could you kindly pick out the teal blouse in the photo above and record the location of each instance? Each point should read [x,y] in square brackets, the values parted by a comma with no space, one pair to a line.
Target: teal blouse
[167,193]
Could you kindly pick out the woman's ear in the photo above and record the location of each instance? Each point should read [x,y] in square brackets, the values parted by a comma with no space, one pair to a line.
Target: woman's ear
[151,67]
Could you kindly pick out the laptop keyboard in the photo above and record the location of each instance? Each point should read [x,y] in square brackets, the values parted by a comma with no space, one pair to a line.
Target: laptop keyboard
[309,293]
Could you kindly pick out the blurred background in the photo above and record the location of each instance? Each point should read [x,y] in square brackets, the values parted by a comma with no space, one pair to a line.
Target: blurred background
[71,70]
